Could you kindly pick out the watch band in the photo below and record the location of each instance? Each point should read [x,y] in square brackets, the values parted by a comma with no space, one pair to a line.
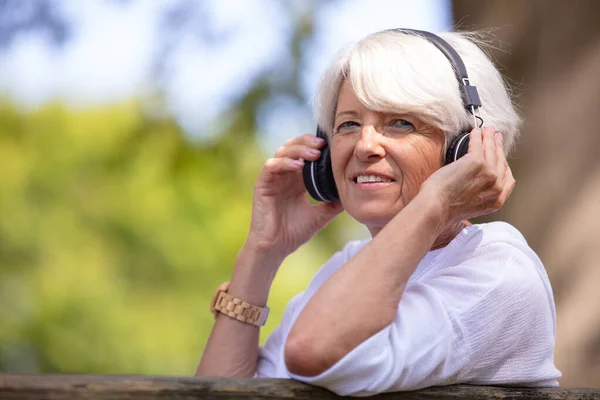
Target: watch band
[236,308]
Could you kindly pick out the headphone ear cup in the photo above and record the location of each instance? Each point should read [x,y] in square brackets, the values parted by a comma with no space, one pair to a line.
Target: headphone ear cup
[458,147]
[318,175]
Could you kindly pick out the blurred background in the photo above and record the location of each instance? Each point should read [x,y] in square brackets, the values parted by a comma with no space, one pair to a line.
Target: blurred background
[132,131]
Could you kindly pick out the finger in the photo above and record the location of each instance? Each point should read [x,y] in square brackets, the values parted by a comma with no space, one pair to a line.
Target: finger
[279,165]
[333,208]
[297,151]
[327,211]
[489,146]
[475,143]
[307,140]
[509,186]
[508,175]
[501,163]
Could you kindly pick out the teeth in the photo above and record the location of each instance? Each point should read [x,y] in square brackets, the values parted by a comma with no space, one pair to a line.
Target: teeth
[371,178]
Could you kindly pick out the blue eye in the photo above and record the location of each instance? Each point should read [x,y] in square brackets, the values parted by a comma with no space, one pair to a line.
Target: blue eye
[347,126]
[402,124]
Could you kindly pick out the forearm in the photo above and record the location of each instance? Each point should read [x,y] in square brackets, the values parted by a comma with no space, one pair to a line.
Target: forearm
[232,347]
[362,297]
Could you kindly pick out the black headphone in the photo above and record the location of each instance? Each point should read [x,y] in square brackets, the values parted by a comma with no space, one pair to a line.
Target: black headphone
[318,175]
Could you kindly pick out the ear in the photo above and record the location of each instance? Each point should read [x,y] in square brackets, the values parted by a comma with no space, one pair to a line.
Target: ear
[458,147]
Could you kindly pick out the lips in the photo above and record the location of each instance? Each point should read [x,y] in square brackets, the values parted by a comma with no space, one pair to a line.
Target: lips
[371,177]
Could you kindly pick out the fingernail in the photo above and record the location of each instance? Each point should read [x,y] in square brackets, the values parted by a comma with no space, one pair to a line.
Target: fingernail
[299,162]
[314,152]
[499,136]
[317,139]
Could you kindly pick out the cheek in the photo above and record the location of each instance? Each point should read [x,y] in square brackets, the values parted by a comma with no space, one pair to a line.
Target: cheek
[340,154]
[338,167]
[425,158]
[431,154]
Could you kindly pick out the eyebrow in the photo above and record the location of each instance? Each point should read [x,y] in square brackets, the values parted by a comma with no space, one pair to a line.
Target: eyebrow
[344,113]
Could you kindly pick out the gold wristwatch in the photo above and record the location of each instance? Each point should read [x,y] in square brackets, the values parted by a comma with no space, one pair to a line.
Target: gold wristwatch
[236,308]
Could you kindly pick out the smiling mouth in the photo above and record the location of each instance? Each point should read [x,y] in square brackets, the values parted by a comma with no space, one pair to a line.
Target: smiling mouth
[371,179]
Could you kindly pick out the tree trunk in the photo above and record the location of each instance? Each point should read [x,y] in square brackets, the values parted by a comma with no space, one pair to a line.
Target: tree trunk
[553,63]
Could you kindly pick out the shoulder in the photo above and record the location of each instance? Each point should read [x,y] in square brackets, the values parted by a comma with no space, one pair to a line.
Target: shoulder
[503,246]
[478,239]
[493,244]
[490,263]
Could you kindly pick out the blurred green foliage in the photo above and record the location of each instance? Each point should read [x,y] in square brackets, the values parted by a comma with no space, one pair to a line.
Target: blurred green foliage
[115,230]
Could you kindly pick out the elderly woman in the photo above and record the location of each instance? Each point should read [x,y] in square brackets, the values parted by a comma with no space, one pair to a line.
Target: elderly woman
[430,299]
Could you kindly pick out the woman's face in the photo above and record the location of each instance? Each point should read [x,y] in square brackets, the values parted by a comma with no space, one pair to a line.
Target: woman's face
[380,160]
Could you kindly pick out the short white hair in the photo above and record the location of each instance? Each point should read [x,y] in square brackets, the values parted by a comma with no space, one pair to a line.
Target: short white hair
[399,72]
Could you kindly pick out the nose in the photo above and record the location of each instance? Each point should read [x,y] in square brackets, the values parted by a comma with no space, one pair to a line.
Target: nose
[369,146]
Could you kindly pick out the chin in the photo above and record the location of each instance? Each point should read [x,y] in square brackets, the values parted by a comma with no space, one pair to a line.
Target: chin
[374,214]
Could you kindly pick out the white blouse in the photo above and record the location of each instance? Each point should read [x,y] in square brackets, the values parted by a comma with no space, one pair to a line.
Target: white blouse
[478,311]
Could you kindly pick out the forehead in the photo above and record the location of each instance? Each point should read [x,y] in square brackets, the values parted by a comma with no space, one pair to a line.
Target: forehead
[347,98]
[349,103]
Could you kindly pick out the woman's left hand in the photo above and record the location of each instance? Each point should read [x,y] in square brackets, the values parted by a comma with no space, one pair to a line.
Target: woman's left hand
[478,183]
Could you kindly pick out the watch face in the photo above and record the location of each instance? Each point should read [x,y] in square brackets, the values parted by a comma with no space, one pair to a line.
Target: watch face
[223,287]
[264,315]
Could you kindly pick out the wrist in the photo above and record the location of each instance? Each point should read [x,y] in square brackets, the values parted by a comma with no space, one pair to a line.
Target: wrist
[438,215]
[223,302]
[253,275]
[434,208]
[270,253]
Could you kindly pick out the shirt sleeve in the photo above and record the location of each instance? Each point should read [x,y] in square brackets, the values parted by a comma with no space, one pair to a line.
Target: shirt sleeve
[449,326]
[266,366]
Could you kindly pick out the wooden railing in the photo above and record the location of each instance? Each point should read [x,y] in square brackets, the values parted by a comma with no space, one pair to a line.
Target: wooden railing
[104,387]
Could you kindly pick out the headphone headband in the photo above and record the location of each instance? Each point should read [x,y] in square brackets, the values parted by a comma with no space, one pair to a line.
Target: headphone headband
[469,94]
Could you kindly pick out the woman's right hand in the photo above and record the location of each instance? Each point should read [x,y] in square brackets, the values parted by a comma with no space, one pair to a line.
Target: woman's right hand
[282,217]
[478,183]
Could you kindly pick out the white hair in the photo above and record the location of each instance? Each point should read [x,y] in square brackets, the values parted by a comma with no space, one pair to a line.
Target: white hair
[399,72]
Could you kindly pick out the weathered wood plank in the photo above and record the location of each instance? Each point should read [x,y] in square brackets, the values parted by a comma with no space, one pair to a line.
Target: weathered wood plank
[109,387]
